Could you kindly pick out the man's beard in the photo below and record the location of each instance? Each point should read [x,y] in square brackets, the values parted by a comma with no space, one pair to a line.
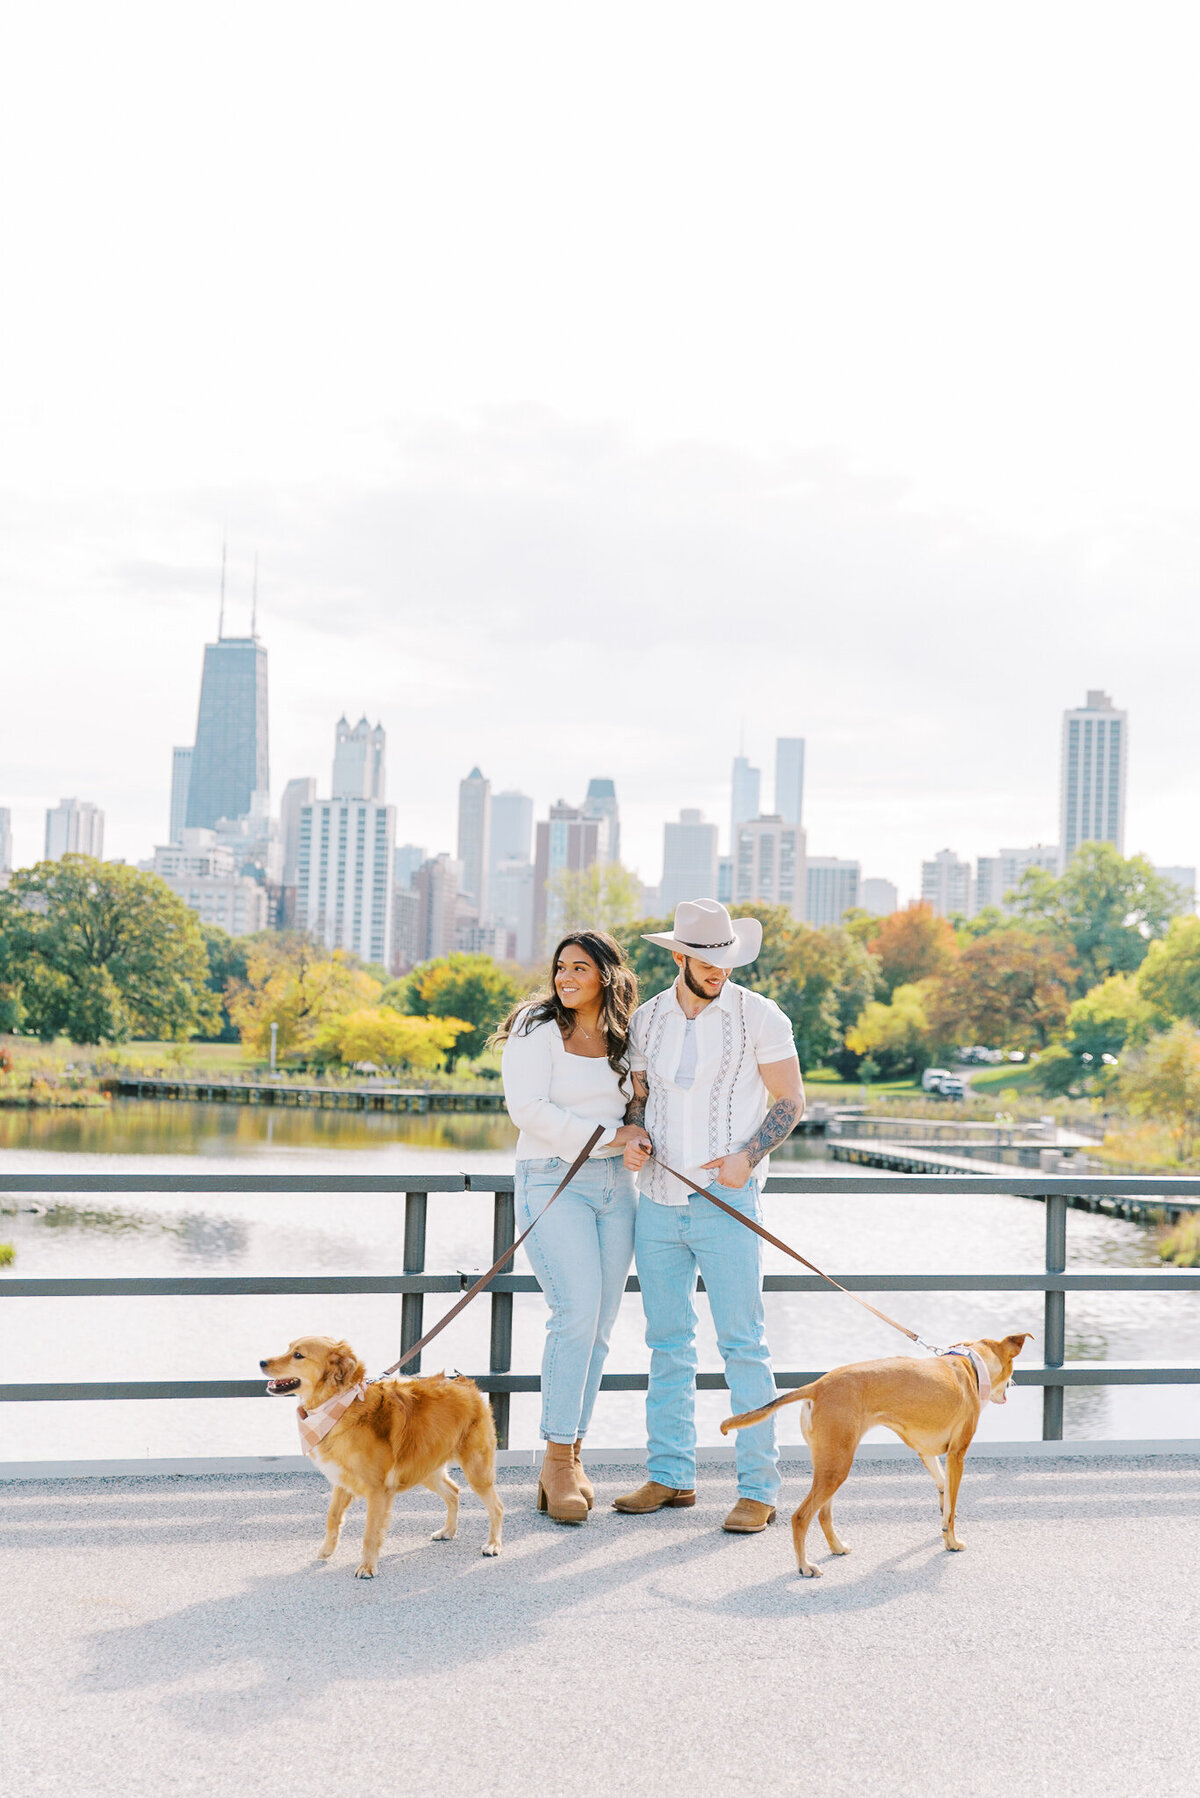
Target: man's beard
[692,985]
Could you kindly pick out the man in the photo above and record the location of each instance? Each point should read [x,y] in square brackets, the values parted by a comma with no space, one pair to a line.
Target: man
[717,1086]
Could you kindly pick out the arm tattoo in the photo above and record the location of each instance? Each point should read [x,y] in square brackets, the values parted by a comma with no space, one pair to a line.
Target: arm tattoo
[775,1126]
[635,1111]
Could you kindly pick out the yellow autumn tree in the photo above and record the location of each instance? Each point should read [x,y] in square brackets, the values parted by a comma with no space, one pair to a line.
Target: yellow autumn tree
[299,986]
[387,1038]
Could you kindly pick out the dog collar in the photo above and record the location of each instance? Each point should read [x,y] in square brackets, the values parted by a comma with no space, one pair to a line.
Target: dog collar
[983,1378]
[315,1425]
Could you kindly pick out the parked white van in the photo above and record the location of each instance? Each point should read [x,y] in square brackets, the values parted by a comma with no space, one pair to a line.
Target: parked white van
[931,1079]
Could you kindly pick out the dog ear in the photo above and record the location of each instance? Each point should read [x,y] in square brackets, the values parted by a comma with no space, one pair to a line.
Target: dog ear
[1019,1340]
[343,1366]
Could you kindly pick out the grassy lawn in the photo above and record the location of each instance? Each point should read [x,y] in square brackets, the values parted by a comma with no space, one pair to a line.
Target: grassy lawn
[827,1083]
[1017,1075]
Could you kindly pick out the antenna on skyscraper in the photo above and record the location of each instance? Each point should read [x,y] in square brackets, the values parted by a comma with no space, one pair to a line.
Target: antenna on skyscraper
[254,601]
[221,619]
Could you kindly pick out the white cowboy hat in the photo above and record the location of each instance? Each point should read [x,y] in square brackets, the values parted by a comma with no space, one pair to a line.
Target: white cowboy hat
[703,928]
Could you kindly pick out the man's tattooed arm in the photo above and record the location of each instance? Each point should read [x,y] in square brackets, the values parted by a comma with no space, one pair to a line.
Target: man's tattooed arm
[778,1124]
[635,1111]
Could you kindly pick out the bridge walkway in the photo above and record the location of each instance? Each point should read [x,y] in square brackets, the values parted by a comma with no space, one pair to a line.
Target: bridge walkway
[173,1636]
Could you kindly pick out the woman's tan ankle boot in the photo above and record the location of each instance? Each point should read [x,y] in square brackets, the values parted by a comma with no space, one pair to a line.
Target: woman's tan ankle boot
[558,1485]
[585,1485]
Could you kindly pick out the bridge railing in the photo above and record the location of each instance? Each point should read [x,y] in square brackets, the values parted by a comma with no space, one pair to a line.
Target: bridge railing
[415,1281]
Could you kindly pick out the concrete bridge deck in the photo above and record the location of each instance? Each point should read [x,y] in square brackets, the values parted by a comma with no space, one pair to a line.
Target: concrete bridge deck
[173,1636]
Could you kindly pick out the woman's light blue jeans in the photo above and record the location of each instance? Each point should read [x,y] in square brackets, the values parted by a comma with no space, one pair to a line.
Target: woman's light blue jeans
[580,1252]
[674,1244]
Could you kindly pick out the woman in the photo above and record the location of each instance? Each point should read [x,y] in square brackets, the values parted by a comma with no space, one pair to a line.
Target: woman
[566,1069]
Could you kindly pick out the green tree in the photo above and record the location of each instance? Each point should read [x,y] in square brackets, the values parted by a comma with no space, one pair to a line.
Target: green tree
[227,965]
[1169,978]
[472,988]
[894,1035]
[1010,988]
[297,985]
[826,979]
[605,896]
[1162,1082]
[1101,1026]
[101,952]
[1108,907]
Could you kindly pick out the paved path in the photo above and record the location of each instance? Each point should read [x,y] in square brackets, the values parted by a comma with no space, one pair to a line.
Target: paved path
[173,1636]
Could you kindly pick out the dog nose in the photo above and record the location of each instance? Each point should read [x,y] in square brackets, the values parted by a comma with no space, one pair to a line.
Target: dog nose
[263,1365]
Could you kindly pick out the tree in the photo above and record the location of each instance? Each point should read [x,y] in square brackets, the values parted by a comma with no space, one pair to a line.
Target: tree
[1107,907]
[386,1037]
[1111,1018]
[825,980]
[605,896]
[471,988]
[1163,1083]
[894,1035]
[299,986]
[1011,989]
[1169,978]
[911,945]
[227,962]
[101,952]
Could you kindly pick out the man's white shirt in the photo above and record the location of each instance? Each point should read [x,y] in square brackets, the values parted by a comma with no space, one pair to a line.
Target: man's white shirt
[720,1107]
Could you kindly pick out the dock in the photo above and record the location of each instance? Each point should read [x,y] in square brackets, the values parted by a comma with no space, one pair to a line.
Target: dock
[293,1096]
[911,1158]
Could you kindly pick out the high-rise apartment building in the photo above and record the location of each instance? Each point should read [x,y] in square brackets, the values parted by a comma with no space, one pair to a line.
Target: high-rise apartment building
[998,875]
[74,827]
[832,888]
[181,776]
[567,840]
[474,809]
[725,879]
[511,906]
[296,795]
[769,864]
[230,761]
[600,803]
[1095,755]
[879,897]
[689,861]
[205,875]
[6,842]
[344,877]
[436,886]
[359,761]
[745,800]
[789,779]
[409,857]
[406,929]
[946,884]
[510,837]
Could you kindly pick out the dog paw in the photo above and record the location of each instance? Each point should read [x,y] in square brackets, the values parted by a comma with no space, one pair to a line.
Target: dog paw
[326,1554]
[841,1549]
[364,1571]
[445,1534]
[491,1548]
[809,1572]
[953,1544]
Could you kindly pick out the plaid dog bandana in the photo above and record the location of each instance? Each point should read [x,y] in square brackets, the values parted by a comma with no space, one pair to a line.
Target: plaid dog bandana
[315,1425]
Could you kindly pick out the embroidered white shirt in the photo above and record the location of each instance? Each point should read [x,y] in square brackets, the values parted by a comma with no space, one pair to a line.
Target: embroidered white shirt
[556,1099]
[721,1100]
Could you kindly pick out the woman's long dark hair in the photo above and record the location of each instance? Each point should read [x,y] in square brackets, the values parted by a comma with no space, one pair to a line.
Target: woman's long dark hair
[618,998]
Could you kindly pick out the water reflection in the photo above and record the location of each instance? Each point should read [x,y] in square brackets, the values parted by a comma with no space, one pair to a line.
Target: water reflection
[166,1127]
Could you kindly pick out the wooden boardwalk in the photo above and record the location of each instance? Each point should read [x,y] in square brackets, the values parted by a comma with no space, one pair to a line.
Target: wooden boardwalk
[295,1097]
[911,1158]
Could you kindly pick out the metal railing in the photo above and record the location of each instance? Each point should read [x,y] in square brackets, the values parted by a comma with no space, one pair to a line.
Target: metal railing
[1054,1282]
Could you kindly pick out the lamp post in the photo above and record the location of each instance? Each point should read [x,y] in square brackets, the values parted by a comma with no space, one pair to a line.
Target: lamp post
[274,1043]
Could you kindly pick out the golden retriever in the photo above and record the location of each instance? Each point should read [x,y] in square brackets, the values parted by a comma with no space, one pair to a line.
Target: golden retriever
[397,1435]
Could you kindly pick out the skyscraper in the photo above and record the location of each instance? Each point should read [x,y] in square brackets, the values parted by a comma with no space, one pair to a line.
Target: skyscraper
[474,808]
[565,840]
[600,803]
[74,827]
[879,897]
[181,774]
[345,875]
[746,802]
[946,884]
[689,861]
[1095,751]
[789,779]
[358,761]
[831,888]
[511,835]
[769,864]
[230,761]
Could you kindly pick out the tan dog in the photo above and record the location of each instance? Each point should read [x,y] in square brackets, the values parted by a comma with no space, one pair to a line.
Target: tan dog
[388,1438]
[934,1406]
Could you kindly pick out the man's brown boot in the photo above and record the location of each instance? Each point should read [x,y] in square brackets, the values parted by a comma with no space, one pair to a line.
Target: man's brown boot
[748,1516]
[585,1485]
[558,1487]
[653,1497]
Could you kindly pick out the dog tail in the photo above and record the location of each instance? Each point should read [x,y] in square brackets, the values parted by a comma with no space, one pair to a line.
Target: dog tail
[748,1417]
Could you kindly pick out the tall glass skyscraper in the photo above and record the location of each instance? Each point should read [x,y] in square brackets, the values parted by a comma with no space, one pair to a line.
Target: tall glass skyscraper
[1095,752]
[229,762]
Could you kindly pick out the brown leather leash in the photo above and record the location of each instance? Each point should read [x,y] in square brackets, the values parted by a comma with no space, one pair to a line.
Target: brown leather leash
[788,1250]
[507,1256]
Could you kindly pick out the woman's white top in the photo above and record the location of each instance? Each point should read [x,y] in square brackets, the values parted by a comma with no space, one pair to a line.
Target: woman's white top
[556,1099]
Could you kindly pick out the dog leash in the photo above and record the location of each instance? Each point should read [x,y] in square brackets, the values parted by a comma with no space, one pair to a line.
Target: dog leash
[788,1250]
[507,1256]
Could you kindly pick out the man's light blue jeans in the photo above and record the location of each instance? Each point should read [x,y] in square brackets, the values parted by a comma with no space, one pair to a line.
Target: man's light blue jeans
[580,1252]
[674,1244]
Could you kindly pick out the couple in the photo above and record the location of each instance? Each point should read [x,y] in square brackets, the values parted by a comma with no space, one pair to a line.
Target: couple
[706,1076]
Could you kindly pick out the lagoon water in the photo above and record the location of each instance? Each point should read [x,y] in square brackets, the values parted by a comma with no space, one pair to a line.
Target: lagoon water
[223,1338]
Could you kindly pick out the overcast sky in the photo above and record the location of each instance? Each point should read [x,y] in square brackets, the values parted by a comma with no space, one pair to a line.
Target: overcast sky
[597,385]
